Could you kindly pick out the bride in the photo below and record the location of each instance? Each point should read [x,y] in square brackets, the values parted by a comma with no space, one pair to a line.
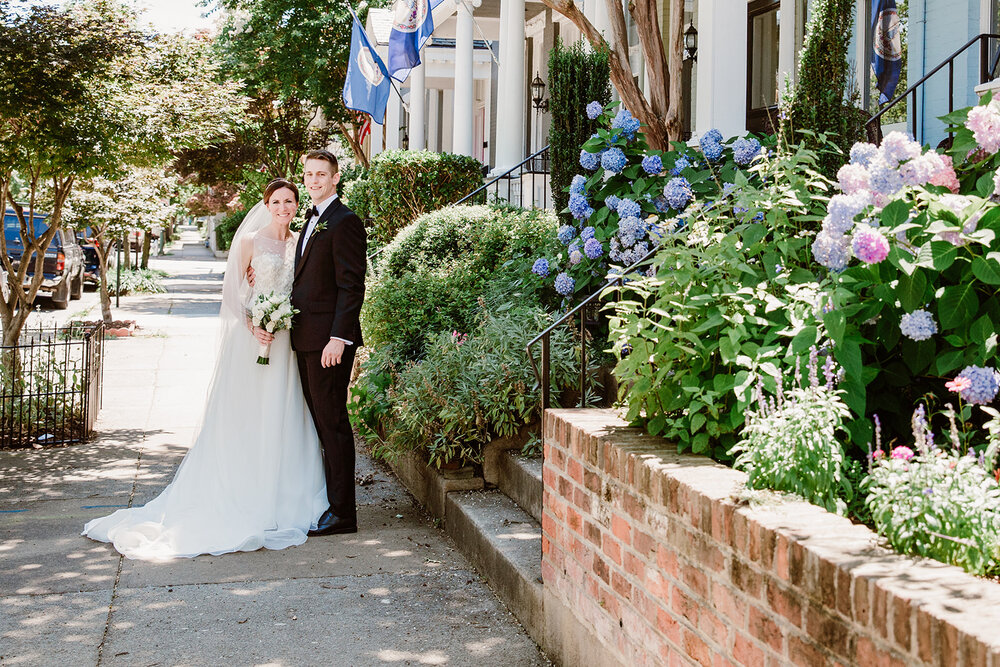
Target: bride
[253,477]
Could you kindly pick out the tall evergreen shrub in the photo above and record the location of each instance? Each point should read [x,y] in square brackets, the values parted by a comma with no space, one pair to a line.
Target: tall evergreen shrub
[824,99]
[577,76]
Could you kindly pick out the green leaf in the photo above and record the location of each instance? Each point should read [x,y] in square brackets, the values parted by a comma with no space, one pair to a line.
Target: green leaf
[804,339]
[752,234]
[986,270]
[984,186]
[700,443]
[911,290]
[957,304]
[697,421]
[848,355]
[981,330]
[949,361]
[835,322]
[895,213]
[943,254]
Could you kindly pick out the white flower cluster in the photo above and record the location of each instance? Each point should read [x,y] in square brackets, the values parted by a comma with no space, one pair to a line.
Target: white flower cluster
[273,312]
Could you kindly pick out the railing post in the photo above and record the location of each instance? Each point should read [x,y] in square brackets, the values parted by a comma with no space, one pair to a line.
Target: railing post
[583,357]
[545,373]
[984,57]
[913,112]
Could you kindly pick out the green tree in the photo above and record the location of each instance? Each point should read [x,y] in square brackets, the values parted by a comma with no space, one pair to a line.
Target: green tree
[576,77]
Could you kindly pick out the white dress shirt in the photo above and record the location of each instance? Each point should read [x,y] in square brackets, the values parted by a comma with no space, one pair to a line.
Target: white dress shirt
[307,232]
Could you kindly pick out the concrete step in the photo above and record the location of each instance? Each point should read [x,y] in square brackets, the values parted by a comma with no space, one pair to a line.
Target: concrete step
[505,544]
[520,478]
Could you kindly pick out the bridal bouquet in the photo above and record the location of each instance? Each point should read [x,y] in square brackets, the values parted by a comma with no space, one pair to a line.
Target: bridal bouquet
[274,313]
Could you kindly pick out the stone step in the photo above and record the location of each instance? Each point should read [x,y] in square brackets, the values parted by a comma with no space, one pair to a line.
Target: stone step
[505,544]
[520,478]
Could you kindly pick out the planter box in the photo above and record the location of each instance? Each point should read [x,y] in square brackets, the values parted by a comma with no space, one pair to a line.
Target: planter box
[648,558]
[431,486]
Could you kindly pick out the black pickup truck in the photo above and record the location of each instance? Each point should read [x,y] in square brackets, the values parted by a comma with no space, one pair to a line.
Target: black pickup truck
[62,277]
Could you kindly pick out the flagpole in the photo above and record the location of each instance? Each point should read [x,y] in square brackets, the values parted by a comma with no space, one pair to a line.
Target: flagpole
[392,82]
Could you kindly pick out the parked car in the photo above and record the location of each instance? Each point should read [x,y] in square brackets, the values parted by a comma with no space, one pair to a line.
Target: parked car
[62,277]
[91,263]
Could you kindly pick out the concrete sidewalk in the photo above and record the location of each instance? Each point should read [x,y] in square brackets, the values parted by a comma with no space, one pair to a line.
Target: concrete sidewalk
[395,593]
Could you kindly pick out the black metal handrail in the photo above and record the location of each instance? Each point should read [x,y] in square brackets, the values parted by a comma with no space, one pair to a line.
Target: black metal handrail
[543,376]
[538,157]
[874,127]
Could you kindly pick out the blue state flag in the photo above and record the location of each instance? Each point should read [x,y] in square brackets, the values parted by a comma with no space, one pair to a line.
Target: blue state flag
[367,85]
[887,48]
[412,25]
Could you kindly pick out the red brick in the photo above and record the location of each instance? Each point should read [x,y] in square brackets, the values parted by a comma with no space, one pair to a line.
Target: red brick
[865,652]
[739,538]
[880,611]
[722,521]
[862,601]
[581,499]
[601,569]
[696,580]
[744,578]
[592,532]
[621,528]
[555,506]
[670,490]
[696,648]
[925,643]
[581,551]
[549,526]
[745,652]
[804,654]
[827,631]
[574,521]
[713,627]
[784,602]
[796,563]
[557,457]
[719,661]
[901,622]
[826,583]
[635,507]
[844,592]
[574,470]
[683,605]
[710,556]
[761,627]
[565,488]
[767,540]
[728,604]
[643,542]
[666,560]
[620,585]
[549,477]
[634,566]
[592,481]
[947,644]
[668,626]
[612,548]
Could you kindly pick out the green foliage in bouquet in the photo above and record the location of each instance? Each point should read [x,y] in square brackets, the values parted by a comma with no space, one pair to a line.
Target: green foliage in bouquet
[577,75]
[411,183]
[431,277]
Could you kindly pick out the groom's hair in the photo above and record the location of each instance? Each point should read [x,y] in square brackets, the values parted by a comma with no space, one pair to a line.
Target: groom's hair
[324,155]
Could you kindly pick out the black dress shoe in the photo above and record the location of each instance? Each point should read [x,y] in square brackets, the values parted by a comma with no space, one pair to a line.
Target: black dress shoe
[331,524]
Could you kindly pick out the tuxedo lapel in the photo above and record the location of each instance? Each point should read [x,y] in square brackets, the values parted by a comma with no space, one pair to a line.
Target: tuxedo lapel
[302,256]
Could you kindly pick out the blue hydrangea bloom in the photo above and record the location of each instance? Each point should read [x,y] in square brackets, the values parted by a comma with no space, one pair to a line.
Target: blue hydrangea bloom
[630,226]
[652,164]
[745,150]
[579,208]
[713,136]
[611,202]
[593,248]
[566,234]
[613,160]
[712,150]
[832,250]
[678,193]
[541,267]
[628,209]
[758,216]
[885,179]
[575,257]
[578,184]
[589,160]
[594,109]
[918,325]
[564,284]
[984,385]
[660,203]
[862,153]
[587,234]
[680,165]
[626,122]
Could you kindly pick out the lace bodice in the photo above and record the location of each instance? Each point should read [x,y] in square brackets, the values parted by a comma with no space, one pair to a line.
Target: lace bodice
[273,264]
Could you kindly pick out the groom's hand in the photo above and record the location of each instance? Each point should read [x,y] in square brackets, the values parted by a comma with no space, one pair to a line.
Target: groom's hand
[332,353]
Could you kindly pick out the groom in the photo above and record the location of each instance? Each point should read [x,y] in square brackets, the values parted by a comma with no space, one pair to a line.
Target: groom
[328,289]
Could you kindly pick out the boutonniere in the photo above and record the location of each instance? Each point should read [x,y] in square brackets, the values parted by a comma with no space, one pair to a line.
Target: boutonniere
[320,226]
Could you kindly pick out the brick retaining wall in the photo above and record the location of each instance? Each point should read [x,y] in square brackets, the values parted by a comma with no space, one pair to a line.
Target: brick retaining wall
[647,555]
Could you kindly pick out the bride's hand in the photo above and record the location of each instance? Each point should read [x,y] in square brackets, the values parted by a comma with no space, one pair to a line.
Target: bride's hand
[250,276]
[262,336]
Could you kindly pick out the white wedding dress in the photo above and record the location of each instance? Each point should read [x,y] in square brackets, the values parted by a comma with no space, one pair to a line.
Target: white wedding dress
[253,477]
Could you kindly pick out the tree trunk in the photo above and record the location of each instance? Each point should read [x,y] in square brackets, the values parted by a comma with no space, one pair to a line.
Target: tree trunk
[102,263]
[350,134]
[126,253]
[675,58]
[146,240]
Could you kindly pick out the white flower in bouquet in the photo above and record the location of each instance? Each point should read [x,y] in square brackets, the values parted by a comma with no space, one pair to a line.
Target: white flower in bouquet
[274,312]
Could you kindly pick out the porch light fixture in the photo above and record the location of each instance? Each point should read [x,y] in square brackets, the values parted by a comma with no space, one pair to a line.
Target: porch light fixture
[691,43]
[538,94]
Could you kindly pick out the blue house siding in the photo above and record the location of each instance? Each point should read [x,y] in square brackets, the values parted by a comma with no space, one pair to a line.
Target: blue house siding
[936,30]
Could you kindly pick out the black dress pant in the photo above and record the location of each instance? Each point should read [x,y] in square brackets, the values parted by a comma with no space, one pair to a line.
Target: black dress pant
[326,395]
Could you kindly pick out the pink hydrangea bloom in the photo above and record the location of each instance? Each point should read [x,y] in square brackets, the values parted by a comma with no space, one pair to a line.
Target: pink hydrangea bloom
[869,245]
[984,121]
[853,178]
[946,176]
[902,452]
[996,182]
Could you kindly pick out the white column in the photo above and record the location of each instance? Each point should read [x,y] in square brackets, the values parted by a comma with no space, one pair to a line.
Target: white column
[447,119]
[392,116]
[375,140]
[601,19]
[722,79]
[464,94]
[433,120]
[510,105]
[786,44]
[418,90]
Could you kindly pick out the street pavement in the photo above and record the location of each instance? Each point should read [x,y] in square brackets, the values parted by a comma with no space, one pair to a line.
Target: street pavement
[396,593]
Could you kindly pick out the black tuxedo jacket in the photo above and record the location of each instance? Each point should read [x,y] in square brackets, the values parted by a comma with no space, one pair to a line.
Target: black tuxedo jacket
[329,284]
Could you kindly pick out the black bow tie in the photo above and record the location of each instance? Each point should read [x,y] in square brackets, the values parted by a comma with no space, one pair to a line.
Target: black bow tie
[314,212]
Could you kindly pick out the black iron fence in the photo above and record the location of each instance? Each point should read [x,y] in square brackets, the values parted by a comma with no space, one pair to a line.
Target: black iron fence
[50,386]
[525,185]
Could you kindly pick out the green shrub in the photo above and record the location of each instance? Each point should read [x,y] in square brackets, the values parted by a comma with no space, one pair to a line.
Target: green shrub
[410,183]
[226,228]
[577,76]
[469,389]
[356,196]
[137,281]
[433,276]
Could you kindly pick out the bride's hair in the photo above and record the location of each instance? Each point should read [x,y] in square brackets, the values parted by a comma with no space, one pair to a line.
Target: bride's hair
[278,184]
